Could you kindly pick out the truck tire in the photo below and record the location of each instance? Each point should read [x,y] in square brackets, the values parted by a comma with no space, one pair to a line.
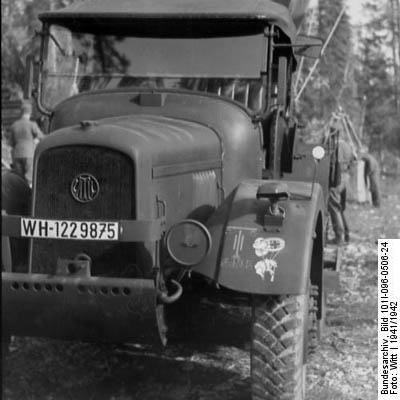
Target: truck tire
[279,346]
[322,320]
[313,328]
[317,312]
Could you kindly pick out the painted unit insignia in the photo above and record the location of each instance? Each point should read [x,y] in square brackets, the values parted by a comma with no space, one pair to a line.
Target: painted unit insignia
[267,249]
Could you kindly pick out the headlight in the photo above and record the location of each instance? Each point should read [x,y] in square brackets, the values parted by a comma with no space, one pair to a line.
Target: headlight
[188,242]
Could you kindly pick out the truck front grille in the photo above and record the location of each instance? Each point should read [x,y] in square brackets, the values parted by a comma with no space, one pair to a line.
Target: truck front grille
[53,199]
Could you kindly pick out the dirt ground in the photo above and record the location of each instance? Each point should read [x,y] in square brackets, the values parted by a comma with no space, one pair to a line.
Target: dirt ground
[217,367]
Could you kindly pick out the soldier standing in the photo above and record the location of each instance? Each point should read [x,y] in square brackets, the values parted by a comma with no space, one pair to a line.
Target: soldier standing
[21,137]
[338,195]
[371,175]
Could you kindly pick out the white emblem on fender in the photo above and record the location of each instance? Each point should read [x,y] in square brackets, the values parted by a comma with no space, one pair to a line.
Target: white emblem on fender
[267,249]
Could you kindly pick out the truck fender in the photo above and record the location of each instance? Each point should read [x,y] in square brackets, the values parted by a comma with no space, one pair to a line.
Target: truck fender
[248,255]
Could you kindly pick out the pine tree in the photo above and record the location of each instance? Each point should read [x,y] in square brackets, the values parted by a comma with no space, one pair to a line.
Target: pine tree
[12,40]
[377,80]
[18,25]
[332,85]
[394,23]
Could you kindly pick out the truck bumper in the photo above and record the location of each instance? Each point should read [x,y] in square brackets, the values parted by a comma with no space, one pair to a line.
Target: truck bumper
[82,308]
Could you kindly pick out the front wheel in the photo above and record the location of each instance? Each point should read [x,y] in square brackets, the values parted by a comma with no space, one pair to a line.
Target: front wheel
[279,345]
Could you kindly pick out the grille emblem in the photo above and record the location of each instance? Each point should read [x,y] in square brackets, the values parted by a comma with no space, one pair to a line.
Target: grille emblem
[85,188]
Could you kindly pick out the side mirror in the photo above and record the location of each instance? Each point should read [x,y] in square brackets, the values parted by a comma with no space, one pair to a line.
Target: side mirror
[307,46]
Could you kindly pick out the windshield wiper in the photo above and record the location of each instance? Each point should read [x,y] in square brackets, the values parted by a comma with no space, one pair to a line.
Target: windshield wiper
[52,37]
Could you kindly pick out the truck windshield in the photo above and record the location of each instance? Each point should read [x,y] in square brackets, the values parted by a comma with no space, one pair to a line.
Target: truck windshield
[80,62]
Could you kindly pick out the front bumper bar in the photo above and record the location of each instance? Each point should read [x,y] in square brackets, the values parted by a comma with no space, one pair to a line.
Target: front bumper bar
[83,308]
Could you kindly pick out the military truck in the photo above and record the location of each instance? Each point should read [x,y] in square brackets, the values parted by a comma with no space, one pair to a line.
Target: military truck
[167,173]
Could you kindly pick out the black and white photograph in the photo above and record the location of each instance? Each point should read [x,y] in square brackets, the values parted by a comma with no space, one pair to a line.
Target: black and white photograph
[200,199]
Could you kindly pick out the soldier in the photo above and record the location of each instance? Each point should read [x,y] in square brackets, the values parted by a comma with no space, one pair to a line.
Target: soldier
[371,175]
[21,137]
[338,194]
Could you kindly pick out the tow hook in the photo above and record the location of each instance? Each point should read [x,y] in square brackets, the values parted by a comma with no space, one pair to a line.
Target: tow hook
[80,265]
[166,298]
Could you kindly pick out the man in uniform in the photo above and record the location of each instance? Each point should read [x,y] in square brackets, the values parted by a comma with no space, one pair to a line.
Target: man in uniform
[338,194]
[371,175]
[21,137]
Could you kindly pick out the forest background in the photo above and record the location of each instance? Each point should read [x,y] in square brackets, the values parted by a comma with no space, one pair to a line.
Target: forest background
[359,72]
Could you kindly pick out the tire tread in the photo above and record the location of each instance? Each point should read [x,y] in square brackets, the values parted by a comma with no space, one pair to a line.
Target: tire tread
[277,348]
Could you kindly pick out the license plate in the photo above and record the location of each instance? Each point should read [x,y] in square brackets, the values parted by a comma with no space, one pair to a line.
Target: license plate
[78,230]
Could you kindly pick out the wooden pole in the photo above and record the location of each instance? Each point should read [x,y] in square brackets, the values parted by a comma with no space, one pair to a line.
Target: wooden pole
[312,18]
[322,53]
[353,132]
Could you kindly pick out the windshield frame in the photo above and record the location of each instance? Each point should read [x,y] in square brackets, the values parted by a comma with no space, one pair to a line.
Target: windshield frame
[47,37]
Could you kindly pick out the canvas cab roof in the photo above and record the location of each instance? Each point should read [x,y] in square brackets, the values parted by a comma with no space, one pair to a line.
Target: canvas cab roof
[283,13]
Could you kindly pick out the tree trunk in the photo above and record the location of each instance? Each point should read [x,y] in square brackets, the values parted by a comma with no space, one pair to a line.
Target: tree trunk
[394,10]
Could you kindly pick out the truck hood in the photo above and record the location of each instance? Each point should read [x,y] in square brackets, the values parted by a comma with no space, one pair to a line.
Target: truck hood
[156,140]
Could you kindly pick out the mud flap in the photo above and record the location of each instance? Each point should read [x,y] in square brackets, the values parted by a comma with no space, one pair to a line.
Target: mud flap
[90,309]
